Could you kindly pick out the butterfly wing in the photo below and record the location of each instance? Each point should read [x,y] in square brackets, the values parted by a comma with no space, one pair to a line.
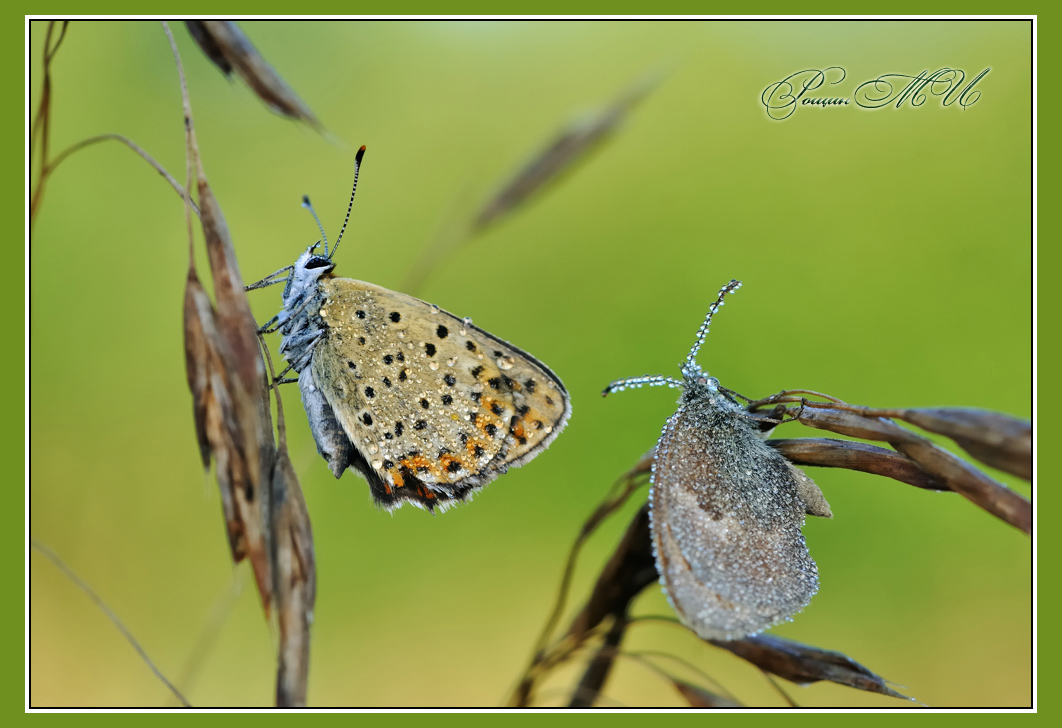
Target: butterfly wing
[433,406]
[726,517]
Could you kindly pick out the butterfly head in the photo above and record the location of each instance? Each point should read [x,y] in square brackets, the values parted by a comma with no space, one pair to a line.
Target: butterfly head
[305,274]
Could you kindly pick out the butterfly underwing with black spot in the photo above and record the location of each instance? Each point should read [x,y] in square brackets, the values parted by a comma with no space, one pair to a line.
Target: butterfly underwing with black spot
[426,406]
[726,510]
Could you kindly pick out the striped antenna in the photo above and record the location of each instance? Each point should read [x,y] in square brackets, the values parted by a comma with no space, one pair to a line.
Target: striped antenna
[357,168]
[702,333]
[308,206]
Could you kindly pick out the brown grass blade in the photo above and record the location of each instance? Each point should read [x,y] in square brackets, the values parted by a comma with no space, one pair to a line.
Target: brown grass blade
[572,145]
[40,135]
[630,569]
[698,697]
[540,660]
[996,439]
[200,354]
[217,428]
[206,42]
[243,443]
[235,321]
[827,452]
[91,593]
[84,143]
[237,329]
[294,570]
[803,664]
[226,45]
[963,478]
[589,688]
[295,579]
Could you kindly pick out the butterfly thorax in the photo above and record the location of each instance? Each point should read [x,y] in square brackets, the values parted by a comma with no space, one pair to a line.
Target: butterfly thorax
[300,327]
[697,386]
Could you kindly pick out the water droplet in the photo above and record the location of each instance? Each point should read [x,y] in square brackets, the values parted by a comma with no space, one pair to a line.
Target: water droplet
[433,365]
[377,464]
[505,362]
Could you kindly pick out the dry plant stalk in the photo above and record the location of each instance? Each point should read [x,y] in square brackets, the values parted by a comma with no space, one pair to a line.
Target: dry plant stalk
[1002,440]
[39,138]
[228,48]
[265,513]
[262,503]
[570,147]
[993,438]
[80,583]
[39,134]
[232,410]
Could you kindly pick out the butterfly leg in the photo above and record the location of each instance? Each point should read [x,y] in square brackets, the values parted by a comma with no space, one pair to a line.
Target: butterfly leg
[270,279]
[301,345]
[278,321]
[265,328]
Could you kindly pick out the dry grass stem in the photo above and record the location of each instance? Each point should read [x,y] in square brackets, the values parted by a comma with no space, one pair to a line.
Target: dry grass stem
[600,666]
[40,132]
[294,569]
[827,452]
[625,486]
[996,439]
[236,418]
[958,475]
[698,697]
[264,509]
[132,145]
[571,146]
[993,438]
[39,136]
[803,664]
[226,45]
[72,576]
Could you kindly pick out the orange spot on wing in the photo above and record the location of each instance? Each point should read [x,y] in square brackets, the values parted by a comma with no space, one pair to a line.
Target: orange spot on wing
[470,448]
[417,461]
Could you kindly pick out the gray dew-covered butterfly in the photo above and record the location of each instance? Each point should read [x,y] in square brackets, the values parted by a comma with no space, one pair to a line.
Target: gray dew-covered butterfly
[426,406]
[726,510]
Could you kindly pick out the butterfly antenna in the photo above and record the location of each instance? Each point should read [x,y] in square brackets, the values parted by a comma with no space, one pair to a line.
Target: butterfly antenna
[702,333]
[357,168]
[308,206]
[651,381]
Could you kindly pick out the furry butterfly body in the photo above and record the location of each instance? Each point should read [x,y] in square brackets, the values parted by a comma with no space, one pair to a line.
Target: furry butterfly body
[426,406]
[726,511]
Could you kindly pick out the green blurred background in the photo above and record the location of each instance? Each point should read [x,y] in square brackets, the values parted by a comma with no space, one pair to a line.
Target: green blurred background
[886,258]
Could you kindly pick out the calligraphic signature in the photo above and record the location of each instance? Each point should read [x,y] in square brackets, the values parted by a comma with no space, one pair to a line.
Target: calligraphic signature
[782,98]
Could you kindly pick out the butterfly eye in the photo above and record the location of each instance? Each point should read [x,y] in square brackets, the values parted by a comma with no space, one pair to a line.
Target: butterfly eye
[318,261]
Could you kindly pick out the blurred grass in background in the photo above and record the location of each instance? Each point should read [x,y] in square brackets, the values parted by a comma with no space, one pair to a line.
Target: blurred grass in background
[886,259]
